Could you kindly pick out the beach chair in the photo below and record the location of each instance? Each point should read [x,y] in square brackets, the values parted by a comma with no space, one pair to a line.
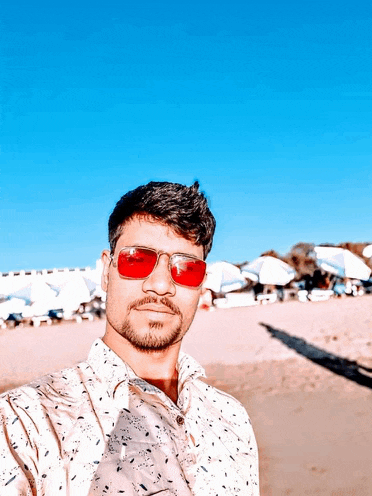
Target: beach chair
[320,294]
[267,298]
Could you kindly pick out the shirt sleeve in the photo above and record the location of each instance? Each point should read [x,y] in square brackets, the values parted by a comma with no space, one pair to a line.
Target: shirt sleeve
[243,442]
[255,461]
[241,421]
[16,454]
[247,433]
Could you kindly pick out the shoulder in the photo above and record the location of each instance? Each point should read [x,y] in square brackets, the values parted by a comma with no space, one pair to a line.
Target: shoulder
[65,386]
[225,403]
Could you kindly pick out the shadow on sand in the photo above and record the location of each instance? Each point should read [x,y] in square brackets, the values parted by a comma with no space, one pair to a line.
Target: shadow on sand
[339,365]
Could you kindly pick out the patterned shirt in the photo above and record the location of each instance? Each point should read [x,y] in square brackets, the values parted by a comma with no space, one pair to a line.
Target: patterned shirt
[99,429]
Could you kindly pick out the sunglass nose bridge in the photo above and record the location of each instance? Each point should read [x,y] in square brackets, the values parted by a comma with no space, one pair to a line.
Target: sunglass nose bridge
[159,256]
[160,281]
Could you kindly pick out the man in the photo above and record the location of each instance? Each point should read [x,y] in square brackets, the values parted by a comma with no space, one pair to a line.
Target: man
[135,418]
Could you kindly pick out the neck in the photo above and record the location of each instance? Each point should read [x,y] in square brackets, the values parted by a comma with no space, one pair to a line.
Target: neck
[168,386]
[157,367]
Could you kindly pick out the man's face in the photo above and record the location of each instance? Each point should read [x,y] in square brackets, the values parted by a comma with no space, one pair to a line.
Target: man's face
[153,313]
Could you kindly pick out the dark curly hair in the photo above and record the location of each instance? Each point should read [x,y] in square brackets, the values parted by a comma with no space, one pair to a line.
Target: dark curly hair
[183,208]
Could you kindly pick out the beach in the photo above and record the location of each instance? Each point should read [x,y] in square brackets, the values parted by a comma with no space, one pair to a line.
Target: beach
[302,370]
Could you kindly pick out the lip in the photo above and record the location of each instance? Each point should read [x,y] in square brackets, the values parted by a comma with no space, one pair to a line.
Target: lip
[154,308]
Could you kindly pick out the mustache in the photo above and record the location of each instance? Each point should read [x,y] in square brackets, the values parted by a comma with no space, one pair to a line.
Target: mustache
[151,299]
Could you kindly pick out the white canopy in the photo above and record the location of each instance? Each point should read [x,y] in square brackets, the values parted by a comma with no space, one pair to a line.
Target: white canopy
[269,270]
[224,277]
[34,291]
[341,262]
[13,305]
[74,292]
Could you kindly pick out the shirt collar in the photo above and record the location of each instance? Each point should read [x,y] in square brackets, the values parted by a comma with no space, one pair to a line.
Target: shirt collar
[108,367]
[188,369]
[111,369]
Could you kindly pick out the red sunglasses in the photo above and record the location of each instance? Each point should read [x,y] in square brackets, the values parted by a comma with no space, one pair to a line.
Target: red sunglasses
[138,262]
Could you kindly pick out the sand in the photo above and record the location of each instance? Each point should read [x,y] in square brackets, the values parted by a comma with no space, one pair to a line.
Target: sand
[302,370]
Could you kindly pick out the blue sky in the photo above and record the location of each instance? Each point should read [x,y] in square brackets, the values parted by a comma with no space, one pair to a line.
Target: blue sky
[268,105]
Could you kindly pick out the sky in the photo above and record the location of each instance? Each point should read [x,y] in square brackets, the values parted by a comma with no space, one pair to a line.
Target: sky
[267,104]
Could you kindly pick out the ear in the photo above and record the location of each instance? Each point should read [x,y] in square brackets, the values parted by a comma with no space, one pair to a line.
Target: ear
[106,260]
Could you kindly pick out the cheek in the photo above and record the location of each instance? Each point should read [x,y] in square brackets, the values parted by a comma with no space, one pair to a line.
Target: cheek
[189,302]
[116,296]
[122,292]
[112,302]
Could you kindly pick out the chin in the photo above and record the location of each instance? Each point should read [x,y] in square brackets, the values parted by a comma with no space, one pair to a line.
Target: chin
[154,336]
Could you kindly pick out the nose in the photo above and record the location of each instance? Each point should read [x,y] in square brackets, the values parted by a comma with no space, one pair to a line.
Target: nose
[159,281]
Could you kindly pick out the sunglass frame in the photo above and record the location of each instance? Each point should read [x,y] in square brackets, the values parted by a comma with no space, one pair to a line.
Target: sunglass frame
[159,253]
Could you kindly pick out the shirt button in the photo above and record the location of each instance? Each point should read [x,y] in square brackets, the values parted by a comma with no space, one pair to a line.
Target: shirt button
[180,420]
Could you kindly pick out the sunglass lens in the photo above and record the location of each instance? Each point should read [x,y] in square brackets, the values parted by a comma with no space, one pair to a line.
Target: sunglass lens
[136,263]
[188,272]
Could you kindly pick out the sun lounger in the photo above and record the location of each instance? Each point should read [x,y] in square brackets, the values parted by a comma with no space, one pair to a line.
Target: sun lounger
[233,300]
[267,298]
[320,294]
[36,321]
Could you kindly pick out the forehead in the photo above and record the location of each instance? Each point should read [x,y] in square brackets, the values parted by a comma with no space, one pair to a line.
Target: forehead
[139,231]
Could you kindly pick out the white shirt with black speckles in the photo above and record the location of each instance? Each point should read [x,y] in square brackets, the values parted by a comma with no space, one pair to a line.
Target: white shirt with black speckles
[98,429]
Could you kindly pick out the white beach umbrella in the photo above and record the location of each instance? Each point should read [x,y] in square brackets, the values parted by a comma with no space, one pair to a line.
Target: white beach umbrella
[91,285]
[13,305]
[38,297]
[341,262]
[367,252]
[36,290]
[40,307]
[224,277]
[269,270]
[74,292]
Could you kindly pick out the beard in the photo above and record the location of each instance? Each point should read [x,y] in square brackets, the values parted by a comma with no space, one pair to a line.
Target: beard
[152,340]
